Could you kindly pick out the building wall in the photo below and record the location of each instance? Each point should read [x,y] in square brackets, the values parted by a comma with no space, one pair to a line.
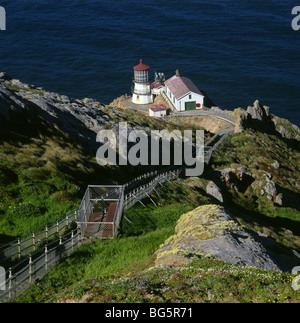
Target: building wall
[142,93]
[157,113]
[157,91]
[190,97]
[140,88]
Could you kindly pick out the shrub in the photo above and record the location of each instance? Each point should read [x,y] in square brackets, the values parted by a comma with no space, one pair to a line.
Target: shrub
[23,210]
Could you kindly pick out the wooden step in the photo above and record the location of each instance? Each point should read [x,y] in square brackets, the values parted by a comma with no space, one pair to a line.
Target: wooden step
[107,230]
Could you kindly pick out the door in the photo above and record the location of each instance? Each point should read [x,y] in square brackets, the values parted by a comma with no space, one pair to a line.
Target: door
[190,105]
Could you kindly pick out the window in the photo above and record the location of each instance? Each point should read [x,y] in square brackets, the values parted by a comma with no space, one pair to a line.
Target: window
[141,76]
[190,96]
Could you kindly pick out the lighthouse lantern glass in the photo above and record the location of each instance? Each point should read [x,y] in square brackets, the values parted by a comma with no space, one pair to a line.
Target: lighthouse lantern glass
[141,76]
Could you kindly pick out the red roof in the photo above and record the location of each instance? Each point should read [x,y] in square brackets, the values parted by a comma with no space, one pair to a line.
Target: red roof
[180,85]
[156,85]
[157,107]
[141,66]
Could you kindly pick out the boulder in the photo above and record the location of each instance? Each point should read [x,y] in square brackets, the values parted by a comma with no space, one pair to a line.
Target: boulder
[257,111]
[212,232]
[276,164]
[214,191]
[241,118]
[232,179]
[270,188]
[279,199]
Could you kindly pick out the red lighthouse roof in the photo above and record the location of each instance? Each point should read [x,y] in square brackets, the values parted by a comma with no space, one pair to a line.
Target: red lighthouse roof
[141,66]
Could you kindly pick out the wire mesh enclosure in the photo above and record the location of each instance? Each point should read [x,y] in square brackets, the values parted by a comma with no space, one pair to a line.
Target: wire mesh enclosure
[100,212]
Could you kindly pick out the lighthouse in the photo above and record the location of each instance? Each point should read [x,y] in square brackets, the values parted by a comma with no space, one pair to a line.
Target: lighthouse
[142,89]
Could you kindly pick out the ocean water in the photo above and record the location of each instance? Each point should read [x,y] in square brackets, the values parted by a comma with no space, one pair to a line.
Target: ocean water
[237,51]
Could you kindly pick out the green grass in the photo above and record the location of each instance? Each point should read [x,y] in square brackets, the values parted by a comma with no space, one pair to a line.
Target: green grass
[133,248]
[203,280]
[118,270]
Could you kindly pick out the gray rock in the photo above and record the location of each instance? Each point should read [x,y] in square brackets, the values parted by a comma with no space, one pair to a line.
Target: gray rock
[210,231]
[258,111]
[270,188]
[278,199]
[276,164]
[213,190]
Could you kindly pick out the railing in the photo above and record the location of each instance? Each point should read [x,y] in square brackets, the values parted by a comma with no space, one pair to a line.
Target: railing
[31,256]
[95,214]
[143,191]
[168,101]
[213,112]
[31,242]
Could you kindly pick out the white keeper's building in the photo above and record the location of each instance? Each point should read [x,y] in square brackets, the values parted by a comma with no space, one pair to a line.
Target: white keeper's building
[183,93]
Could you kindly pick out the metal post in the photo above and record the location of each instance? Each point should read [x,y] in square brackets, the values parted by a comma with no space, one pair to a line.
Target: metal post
[30,269]
[79,231]
[72,239]
[156,192]
[19,248]
[9,283]
[33,241]
[46,230]
[46,257]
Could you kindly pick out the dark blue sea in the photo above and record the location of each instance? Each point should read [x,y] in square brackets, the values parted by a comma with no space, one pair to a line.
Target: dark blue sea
[237,51]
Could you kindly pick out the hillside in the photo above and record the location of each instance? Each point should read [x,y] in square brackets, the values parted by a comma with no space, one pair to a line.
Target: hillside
[48,153]
[48,148]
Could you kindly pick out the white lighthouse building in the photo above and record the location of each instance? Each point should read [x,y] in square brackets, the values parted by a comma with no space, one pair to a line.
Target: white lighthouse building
[142,88]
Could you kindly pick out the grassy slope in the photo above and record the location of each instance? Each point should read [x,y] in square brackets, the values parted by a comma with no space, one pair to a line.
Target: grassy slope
[118,271]
[43,175]
[44,172]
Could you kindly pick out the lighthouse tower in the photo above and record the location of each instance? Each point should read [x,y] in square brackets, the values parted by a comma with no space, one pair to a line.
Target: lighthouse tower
[142,89]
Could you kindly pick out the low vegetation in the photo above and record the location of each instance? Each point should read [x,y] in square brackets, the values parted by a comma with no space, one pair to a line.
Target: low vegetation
[123,270]
[44,173]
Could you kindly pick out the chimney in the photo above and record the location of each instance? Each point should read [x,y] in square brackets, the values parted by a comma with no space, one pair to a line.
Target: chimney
[177,73]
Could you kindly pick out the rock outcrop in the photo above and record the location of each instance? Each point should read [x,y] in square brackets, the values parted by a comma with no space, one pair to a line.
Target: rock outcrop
[259,117]
[210,231]
[81,119]
[258,111]
[214,191]
[241,119]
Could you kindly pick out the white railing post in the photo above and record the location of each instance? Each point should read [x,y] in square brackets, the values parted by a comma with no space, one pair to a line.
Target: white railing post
[19,248]
[72,239]
[33,241]
[10,282]
[30,269]
[46,232]
[46,257]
